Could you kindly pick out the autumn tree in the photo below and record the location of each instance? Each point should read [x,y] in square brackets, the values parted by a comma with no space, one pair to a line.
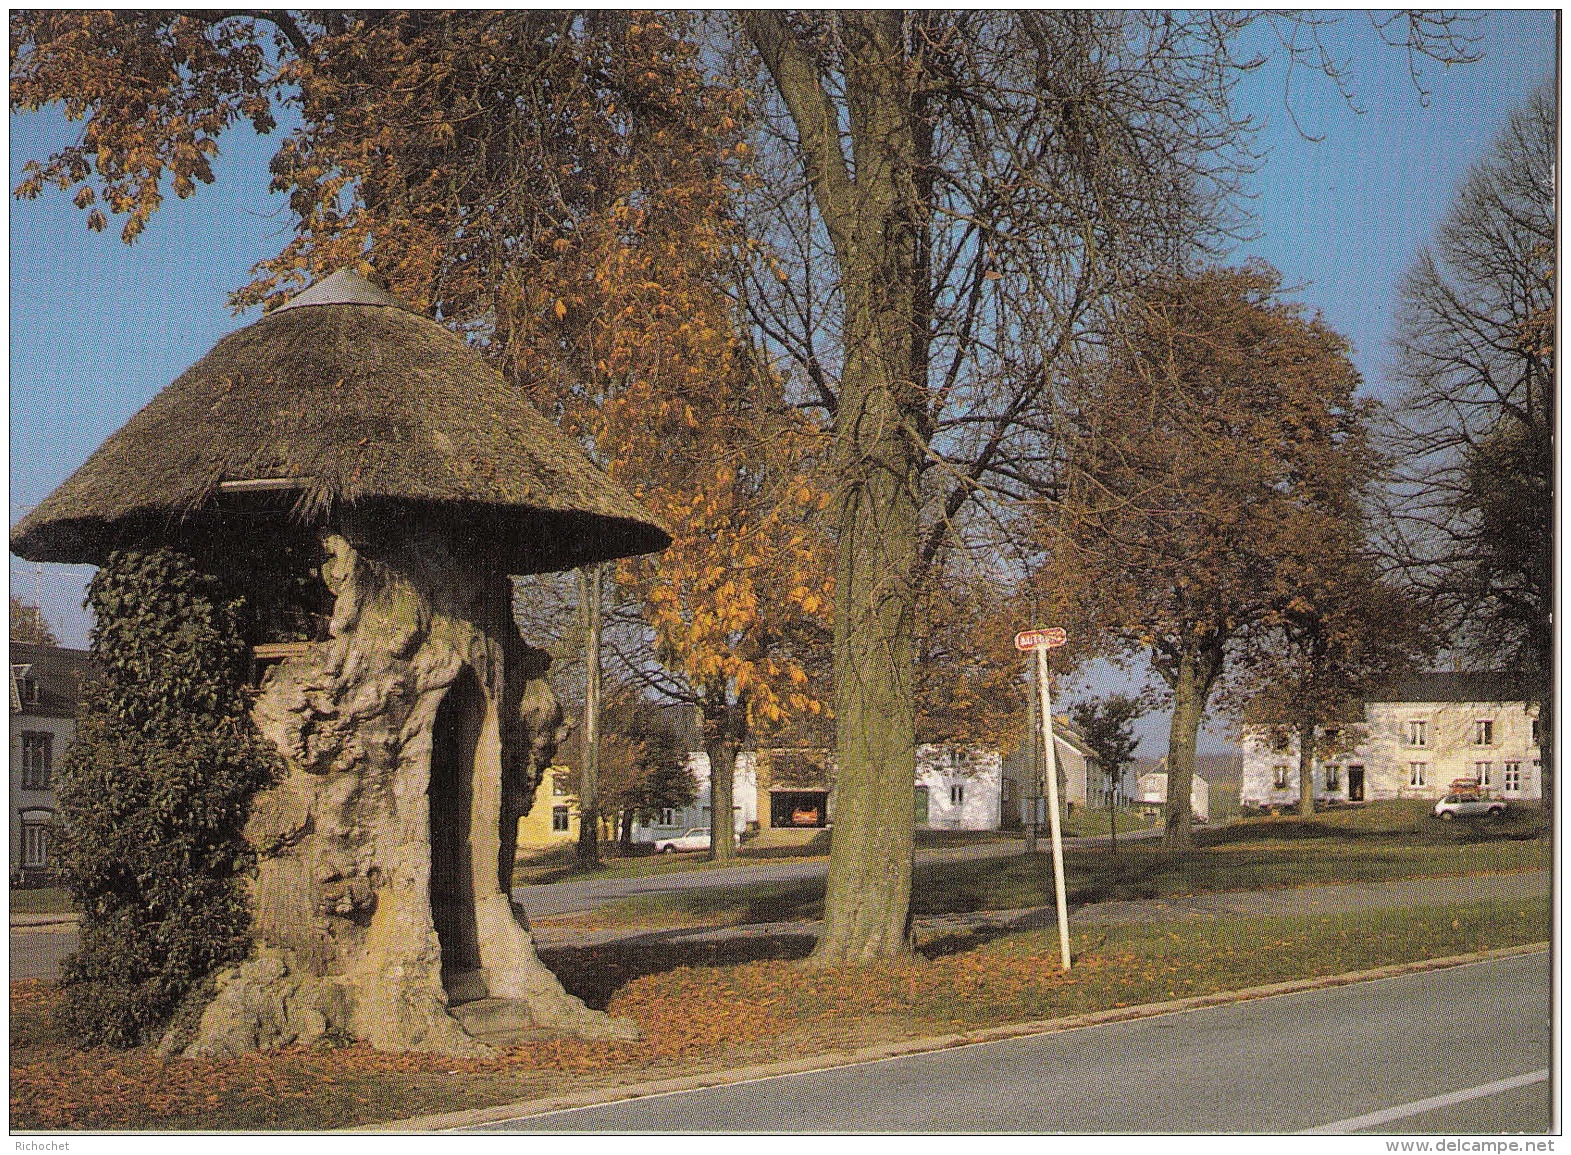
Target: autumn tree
[981,188]
[982,182]
[643,763]
[553,184]
[1338,632]
[1474,498]
[985,184]
[28,624]
[967,680]
[1201,456]
[1108,723]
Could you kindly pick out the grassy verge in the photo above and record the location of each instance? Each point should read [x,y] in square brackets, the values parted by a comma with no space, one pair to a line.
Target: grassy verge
[1094,823]
[561,864]
[1379,843]
[718,1005]
[45,900]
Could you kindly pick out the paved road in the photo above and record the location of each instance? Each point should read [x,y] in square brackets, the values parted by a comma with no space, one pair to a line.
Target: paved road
[1459,1051]
[36,951]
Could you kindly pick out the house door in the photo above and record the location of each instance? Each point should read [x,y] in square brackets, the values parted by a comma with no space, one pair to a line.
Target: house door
[453,741]
[1355,783]
[921,805]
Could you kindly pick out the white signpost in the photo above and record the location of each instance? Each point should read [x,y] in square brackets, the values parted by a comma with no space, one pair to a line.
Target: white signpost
[1041,641]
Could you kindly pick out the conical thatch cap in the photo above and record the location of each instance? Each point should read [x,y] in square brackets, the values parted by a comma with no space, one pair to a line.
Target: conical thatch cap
[344,401]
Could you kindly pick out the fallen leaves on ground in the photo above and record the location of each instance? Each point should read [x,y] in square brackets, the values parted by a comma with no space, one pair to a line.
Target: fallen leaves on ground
[740,1009]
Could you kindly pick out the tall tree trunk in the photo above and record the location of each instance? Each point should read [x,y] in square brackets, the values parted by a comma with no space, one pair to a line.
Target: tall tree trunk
[1306,767]
[589,579]
[724,729]
[876,220]
[1191,679]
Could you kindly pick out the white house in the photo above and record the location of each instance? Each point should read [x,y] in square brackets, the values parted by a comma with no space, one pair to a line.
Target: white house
[958,788]
[1085,783]
[45,690]
[744,800]
[1418,736]
[1151,792]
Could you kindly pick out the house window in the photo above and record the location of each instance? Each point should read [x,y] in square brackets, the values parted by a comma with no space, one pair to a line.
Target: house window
[1513,778]
[668,816]
[559,819]
[1536,741]
[1279,777]
[1417,772]
[1279,742]
[957,795]
[35,844]
[1333,778]
[1483,732]
[37,760]
[559,785]
[26,685]
[1418,732]
[1481,772]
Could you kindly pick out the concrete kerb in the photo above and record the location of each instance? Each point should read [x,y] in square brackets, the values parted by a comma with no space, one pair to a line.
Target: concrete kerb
[44,921]
[459,1120]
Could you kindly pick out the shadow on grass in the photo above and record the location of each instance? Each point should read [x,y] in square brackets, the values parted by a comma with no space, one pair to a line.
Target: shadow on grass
[596,973]
[1410,821]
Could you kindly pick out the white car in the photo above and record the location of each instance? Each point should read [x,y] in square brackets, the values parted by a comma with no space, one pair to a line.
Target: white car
[695,839]
[1454,806]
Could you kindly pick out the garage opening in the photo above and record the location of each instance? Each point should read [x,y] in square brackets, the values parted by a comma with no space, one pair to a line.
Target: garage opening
[454,740]
[798,808]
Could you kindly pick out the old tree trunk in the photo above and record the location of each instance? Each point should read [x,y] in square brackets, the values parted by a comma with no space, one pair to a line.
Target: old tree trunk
[1190,670]
[724,731]
[1306,767]
[877,223]
[414,738]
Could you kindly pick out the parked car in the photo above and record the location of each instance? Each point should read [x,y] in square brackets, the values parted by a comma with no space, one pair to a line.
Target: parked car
[1454,806]
[695,839]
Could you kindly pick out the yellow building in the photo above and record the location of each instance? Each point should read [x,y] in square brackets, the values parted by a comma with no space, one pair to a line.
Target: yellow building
[553,819]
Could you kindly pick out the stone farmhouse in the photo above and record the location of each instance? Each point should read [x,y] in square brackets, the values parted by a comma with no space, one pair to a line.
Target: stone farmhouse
[1418,736]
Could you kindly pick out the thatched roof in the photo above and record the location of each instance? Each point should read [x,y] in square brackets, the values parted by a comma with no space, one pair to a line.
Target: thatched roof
[343,402]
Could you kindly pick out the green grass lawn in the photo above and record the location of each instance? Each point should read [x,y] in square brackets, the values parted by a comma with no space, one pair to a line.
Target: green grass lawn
[561,863]
[1380,842]
[1092,823]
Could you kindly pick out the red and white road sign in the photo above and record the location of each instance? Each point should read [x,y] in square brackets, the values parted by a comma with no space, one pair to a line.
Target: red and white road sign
[1041,639]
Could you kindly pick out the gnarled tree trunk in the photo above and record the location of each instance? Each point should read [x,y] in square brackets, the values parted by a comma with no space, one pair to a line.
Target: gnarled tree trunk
[414,738]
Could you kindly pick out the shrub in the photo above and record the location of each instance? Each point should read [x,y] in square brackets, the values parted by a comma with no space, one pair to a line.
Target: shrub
[153,795]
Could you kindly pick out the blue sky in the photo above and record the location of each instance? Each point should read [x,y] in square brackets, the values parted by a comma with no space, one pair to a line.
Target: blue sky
[97,328]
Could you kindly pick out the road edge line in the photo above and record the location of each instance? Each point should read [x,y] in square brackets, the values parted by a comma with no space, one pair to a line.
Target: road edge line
[457,1120]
